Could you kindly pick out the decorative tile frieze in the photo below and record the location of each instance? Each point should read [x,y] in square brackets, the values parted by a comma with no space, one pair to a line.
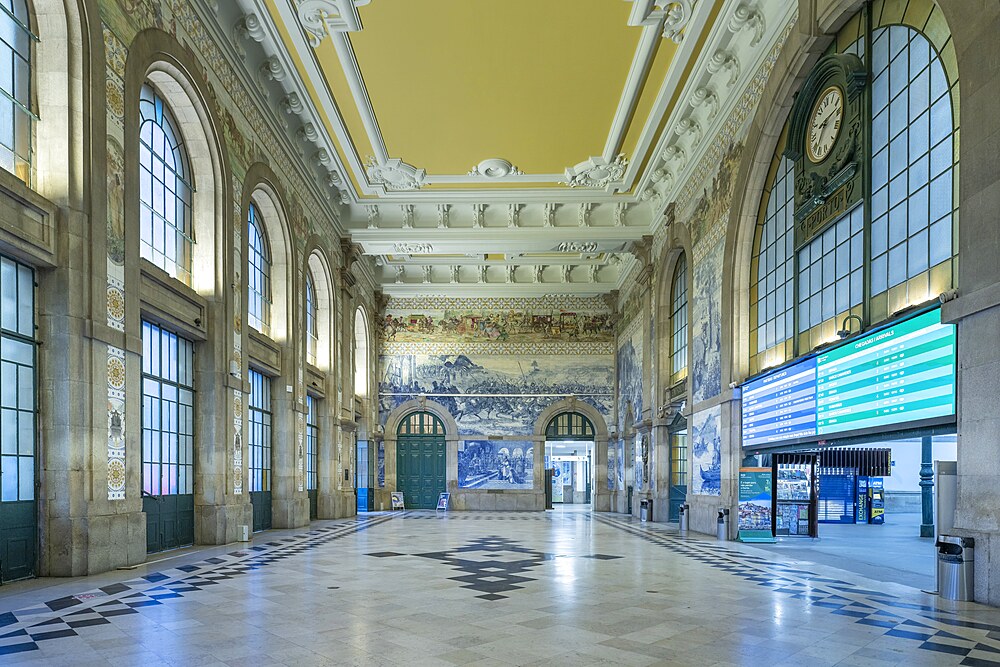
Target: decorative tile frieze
[116,423]
[604,347]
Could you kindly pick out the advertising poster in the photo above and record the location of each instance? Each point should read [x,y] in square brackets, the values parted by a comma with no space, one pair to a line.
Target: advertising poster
[755,505]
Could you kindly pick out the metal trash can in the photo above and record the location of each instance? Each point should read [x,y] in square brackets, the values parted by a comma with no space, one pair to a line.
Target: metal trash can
[646,509]
[955,562]
[682,517]
[722,525]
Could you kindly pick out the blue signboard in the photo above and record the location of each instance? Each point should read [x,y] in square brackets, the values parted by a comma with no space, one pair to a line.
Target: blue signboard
[780,406]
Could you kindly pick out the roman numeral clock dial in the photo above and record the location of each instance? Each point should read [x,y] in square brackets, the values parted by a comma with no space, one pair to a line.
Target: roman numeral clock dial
[824,124]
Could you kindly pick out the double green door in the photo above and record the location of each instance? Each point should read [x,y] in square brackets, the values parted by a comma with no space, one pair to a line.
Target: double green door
[169,521]
[420,470]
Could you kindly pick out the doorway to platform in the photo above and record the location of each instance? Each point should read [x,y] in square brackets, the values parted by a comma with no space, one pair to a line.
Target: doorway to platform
[420,460]
[862,506]
[569,450]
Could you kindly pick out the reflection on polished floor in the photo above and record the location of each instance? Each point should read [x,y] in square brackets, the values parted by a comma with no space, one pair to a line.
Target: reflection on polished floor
[565,587]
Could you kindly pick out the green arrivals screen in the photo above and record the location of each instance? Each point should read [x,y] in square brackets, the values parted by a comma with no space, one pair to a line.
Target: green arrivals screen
[905,373]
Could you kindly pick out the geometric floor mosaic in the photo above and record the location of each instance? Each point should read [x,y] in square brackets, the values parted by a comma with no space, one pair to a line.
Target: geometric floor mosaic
[978,643]
[488,588]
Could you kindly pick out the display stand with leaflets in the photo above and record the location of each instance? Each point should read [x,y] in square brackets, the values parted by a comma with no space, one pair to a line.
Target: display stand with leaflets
[397,500]
[443,502]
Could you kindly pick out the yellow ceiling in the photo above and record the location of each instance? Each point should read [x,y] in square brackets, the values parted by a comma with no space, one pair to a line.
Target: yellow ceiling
[454,82]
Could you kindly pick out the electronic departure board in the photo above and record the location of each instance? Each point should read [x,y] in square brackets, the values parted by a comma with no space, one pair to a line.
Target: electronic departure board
[901,374]
[780,406]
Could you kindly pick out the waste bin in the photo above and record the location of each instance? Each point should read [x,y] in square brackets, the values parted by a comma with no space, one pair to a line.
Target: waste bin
[682,516]
[955,560]
[722,525]
[646,509]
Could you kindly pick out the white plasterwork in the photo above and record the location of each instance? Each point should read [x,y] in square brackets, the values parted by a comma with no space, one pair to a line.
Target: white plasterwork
[596,172]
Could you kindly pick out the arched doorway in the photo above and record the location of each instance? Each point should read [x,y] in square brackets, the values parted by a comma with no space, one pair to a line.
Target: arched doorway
[420,460]
[569,451]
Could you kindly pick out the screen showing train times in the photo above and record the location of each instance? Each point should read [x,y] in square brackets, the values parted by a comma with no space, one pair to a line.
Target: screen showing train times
[901,374]
[904,373]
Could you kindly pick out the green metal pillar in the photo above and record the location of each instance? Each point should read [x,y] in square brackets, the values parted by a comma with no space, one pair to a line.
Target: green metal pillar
[926,487]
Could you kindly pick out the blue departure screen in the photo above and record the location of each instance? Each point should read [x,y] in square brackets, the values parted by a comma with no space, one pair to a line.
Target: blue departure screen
[780,406]
[902,373]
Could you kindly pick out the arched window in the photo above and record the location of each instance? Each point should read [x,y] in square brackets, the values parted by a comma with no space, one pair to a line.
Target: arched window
[913,197]
[360,353]
[312,321]
[569,426]
[258,273]
[165,189]
[679,322]
[909,218]
[16,115]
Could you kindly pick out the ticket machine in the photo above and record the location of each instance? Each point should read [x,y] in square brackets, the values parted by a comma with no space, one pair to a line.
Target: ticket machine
[876,501]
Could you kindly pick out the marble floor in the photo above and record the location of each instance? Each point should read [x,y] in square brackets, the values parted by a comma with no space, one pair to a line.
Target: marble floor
[417,588]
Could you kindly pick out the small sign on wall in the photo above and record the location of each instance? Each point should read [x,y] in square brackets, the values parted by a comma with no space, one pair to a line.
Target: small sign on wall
[397,500]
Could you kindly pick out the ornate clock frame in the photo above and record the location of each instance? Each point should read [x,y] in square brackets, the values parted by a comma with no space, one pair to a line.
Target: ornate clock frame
[825,190]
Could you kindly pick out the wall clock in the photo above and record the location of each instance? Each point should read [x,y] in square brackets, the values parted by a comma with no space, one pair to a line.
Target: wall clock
[824,124]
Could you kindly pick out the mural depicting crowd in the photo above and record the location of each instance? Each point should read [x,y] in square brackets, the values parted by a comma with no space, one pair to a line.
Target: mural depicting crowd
[487,398]
[488,464]
[510,326]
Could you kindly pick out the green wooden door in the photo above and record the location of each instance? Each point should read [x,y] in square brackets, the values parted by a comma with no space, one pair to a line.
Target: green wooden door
[420,460]
[420,470]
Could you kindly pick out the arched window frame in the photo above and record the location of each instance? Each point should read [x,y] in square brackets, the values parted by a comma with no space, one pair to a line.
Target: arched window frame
[866,282]
[258,273]
[420,423]
[16,91]
[312,320]
[361,348]
[679,322]
[166,227]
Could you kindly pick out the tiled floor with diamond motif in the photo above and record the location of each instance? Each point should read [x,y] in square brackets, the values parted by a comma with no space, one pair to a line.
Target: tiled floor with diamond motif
[424,588]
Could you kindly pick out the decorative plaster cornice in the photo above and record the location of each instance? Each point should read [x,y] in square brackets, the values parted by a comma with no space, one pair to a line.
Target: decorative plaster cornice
[444,213]
[495,168]
[394,174]
[678,15]
[320,18]
[581,247]
[413,248]
[596,172]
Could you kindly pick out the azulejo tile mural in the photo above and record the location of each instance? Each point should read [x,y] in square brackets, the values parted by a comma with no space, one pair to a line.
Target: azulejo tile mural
[468,321]
[496,464]
[706,452]
[629,368]
[706,324]
[495,394]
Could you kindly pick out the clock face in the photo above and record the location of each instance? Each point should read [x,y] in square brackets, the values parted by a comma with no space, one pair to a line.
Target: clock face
[824,124]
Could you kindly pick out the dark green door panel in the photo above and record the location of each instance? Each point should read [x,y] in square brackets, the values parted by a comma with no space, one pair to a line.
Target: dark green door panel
[420,470]
[313,504]
[17,540]
[261,503]
[169,521]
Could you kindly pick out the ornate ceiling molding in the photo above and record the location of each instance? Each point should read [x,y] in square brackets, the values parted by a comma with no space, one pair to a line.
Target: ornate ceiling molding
[320,18]
[395,175]
[596,172]
[495,168]
[413,248]
[740,40]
